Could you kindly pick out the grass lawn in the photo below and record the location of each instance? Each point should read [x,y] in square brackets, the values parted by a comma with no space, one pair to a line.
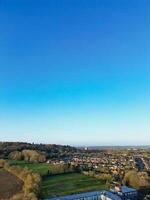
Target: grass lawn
[41,168]
[69,184]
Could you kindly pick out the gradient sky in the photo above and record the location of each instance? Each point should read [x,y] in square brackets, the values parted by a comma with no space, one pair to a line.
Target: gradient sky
[75,71]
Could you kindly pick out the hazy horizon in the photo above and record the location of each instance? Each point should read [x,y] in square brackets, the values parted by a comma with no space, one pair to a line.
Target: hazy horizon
[75,72]
[81,146]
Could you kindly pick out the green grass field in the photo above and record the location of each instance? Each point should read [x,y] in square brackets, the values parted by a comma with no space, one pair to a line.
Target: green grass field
[41,168]
[65,184]
[59,185]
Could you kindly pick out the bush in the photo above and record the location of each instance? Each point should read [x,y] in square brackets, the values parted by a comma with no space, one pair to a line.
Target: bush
[15,155]
[33,156]
[2,163]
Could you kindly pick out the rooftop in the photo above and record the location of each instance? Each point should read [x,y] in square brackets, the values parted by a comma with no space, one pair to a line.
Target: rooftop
[126,189]
[111,195]
[77,196]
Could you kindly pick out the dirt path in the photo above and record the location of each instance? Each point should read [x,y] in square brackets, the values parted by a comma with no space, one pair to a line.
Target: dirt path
[9,185]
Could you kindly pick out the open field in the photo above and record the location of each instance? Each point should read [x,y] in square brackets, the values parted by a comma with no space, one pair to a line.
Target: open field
[63,184]
[69,184]
[41,168]
[9,185]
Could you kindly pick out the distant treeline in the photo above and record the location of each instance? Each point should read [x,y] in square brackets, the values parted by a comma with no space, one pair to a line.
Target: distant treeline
[50,150]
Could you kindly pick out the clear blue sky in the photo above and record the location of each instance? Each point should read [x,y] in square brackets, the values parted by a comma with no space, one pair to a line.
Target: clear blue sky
[75,71]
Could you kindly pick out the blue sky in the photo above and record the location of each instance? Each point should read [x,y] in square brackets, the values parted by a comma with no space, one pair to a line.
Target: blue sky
[75,71]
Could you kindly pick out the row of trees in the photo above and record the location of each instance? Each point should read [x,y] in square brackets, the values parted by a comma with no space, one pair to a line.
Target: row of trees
[31,181]
[138,180]
[107,178]
[62,169]
[132,178]
[28,155]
